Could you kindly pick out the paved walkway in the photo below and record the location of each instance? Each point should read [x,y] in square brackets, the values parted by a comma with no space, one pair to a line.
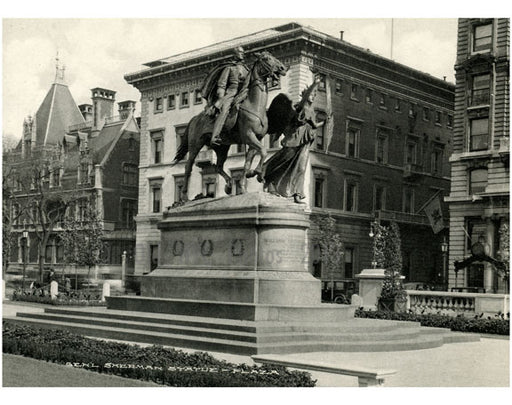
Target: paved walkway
[475,364]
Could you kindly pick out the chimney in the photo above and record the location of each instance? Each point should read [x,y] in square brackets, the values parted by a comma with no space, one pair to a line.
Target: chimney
[341,35]
[102,104]
[125,108]
[86,110]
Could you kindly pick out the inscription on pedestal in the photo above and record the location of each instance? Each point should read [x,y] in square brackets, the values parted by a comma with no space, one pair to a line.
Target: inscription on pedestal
[282,252]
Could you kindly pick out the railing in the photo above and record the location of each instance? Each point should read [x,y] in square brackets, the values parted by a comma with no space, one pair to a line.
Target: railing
[457,303]
[404,217]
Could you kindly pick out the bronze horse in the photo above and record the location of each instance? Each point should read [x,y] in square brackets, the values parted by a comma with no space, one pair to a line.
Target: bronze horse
[250,127]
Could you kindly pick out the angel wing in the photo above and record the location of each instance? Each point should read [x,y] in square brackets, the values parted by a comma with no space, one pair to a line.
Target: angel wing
[279,114]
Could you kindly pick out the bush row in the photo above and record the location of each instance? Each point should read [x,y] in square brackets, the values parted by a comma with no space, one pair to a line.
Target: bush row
[154,363]
[498,326]
[74,299]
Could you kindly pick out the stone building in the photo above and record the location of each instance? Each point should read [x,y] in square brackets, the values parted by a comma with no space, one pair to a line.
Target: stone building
[90,151]
[479,197]
[384,158]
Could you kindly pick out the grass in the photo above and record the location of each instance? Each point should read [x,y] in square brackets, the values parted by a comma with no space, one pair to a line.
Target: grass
[19,371]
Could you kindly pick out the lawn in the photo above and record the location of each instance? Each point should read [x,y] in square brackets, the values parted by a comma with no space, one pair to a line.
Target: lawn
[19,371]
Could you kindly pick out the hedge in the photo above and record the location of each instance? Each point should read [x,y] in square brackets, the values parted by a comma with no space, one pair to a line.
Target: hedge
[154,363]
[75,299]
[498,326]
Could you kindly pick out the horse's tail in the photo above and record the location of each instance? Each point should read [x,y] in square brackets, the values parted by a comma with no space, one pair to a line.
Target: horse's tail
[183,149]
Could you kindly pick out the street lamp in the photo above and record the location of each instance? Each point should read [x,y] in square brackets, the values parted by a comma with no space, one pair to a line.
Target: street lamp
[444,249]
[24,240]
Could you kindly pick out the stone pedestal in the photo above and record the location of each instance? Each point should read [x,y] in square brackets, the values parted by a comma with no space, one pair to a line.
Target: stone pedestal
[249,248]
[242,257]
[370,286]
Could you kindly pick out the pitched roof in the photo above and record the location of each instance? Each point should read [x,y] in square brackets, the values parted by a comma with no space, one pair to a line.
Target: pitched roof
[101,144]
[57,112]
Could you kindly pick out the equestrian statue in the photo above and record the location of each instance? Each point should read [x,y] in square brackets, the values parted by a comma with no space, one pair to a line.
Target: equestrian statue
[235,114]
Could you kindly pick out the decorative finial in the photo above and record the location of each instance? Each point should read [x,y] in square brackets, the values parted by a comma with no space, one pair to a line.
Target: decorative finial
[59,71]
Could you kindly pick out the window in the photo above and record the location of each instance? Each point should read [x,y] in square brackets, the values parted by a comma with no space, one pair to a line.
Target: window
[426,114]
[55,178]
[321,85]
[178,187]
[437,161]
[480,90]
[412,111]
[449,121]
[320,132]
[379,199]
[130,174]
[236,175]
[477,181]
[156,197]
[338,85]
[368,96]
[349,262]
[184,99]
[482,38]
[410,153]
[171,102]
[408,204]
[210,186]
[198,99]
[352,141]
[131,144]
[59,251]
[48,254]
[82,210]
[128,212]
[382,100]
[479,134]
[157,146]
[319,192]
[398,107]
[84,172]
[438,118]
[381,155]
[180,132]
[159,104]
[354,90]
[350,196]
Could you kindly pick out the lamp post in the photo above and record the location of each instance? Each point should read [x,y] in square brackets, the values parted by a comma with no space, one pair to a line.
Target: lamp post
[24,240]
[444,249]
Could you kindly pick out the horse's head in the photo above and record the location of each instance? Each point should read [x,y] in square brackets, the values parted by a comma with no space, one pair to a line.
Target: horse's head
[268,66]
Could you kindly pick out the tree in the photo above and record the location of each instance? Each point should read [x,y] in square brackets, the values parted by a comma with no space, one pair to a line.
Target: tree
[40,206]
[82,238]
[388,255]
[331,247]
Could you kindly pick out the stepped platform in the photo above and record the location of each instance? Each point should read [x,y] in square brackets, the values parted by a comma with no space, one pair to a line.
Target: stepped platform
[245,337]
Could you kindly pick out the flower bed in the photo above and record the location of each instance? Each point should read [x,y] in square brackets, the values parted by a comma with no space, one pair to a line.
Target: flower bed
[74,299]
[164,366]
[500,325]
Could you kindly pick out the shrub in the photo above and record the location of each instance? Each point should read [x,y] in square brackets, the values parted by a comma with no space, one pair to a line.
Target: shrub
[74,299]
[498,325]
[161,365]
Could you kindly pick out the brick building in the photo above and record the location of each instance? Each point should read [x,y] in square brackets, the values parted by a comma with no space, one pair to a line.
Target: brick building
[89,152]
[479,197]
[385,156]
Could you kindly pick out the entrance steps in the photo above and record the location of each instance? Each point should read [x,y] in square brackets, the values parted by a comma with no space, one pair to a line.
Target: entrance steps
[244,337]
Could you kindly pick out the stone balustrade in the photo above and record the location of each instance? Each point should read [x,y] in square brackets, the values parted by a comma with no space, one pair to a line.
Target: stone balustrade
[455,303]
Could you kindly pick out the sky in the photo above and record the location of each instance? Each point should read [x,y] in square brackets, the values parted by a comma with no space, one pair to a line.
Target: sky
[99,52]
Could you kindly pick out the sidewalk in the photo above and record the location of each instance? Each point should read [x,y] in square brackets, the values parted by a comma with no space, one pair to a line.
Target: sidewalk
[475,364]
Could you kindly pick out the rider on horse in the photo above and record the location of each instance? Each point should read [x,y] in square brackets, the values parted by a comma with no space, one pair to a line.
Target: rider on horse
[220,88]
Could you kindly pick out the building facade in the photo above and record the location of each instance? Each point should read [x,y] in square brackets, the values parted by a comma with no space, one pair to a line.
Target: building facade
[479,197]
[384,157]
[87,155]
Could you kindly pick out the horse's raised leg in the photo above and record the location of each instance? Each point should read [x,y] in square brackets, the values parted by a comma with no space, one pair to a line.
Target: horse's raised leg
[222,153]
[259,148]
[249,157]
